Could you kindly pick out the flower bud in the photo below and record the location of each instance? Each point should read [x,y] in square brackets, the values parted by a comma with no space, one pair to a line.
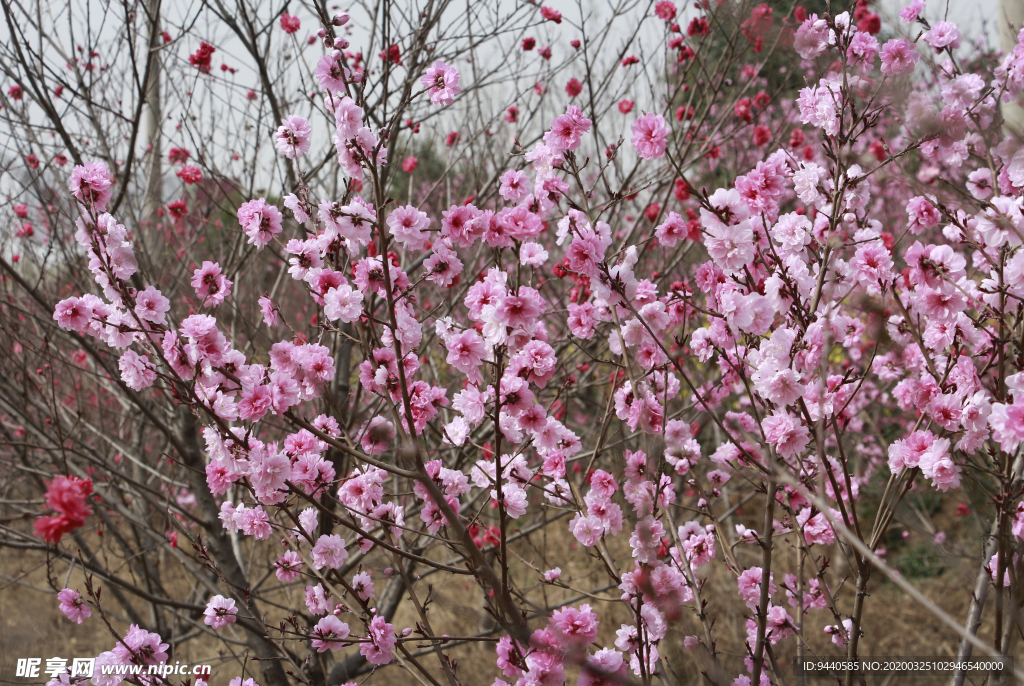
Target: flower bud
[341,18]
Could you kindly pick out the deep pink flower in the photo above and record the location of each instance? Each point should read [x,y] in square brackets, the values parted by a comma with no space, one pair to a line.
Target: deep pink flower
[190,175]
[443,266]
[210,284]
[260,221]
[408,225]
[269,311]
[91,185]
[574,628]
[72,314]
[665,10]
[73,606]
[911,11]
[329,552]
[220,612]
[567,130]
[442,83]
[329,633]
[293,136]
[749,583]
[550,14]
[288,566]
[178,156]
[942,34]
[650,136]
[290,24]
[812,38]
[331,73]
[863,49]
[519,310]
[136,370]
[201,58]
[382,641]
[898,57]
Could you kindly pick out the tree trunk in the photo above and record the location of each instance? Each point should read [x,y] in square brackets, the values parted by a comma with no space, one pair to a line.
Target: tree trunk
[154,116]
[218,546]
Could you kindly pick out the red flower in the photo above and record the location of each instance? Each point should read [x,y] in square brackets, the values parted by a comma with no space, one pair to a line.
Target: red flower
[453,138]
[551,14]
[393,55]
[178,156]
[409,164]
[693,231]
[698,27]
[665,10]
[759,23]
[742,109]
[178,209]
[877,149]
[682,190]
[626,106]
[573,88]
[290,24]
[762,134]
[870,23]
[529,44]
[190,175]
[66,495]
[201,58]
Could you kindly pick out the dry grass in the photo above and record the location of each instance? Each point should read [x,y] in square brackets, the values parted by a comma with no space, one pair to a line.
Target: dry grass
[32,626]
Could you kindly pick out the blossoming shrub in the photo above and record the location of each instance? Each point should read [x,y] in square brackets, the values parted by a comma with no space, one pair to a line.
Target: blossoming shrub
[610,343]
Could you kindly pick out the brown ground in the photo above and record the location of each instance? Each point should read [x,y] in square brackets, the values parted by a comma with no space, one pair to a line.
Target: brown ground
[32,626]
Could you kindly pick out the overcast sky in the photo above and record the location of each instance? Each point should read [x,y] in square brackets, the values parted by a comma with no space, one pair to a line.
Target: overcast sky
[971,16]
